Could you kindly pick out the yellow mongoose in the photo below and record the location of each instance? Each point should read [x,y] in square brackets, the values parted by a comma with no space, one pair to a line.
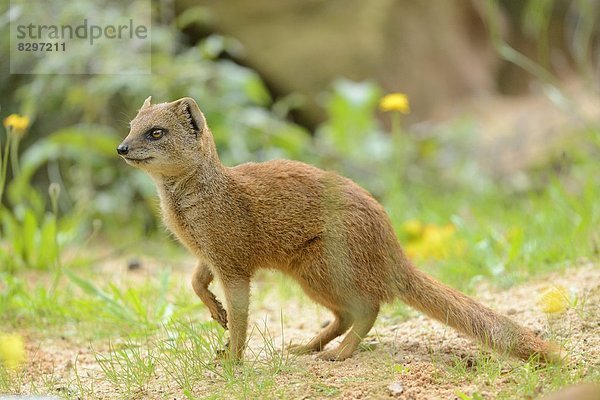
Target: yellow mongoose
[322,229]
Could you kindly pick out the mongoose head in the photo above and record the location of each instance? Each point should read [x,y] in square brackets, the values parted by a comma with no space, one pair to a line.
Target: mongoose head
[168,139]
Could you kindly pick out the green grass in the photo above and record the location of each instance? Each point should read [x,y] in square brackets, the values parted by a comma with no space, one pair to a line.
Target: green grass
[128,366]
[525,380]
[138,346]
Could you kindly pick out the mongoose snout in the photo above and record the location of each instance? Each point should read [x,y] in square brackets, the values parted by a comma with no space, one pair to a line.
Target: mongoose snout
[123,149]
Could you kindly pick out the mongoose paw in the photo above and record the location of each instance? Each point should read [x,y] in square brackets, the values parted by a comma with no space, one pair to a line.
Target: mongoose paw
[300,349]
[224,355]
[334,355]
[220,315]
[221,354]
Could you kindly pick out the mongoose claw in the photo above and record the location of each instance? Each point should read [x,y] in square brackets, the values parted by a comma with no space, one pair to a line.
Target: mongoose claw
[334,355]
[220,315]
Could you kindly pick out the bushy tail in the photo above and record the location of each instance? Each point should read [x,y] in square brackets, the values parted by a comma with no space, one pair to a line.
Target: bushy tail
[474,319]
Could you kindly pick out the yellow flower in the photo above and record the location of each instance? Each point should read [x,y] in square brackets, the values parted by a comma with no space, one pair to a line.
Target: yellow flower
[17,123]
[12,350]
[413,228]
[432,241]
[395,102]
[554,300]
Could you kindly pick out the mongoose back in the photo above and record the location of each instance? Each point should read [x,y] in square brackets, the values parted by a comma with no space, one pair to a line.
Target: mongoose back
[320,228]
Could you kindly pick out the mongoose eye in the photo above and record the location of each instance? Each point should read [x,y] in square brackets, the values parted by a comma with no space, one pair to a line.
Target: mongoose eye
[155,133]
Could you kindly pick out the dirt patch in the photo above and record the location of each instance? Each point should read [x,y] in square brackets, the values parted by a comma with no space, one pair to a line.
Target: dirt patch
[413,359]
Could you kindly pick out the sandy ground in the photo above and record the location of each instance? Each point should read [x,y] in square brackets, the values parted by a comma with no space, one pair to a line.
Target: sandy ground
[407,359]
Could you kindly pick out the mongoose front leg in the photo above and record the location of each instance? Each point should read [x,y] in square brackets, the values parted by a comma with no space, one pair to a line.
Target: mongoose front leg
[335,328]
[237,296]
[201,278]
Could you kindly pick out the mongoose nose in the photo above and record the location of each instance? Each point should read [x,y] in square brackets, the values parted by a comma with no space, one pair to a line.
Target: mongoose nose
[123,149]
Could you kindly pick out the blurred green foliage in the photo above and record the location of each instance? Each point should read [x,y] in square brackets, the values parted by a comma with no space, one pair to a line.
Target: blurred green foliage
[428,175]
[562,33]
[79,119]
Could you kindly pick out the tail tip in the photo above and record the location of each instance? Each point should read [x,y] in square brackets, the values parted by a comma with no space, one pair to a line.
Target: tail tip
[553,353]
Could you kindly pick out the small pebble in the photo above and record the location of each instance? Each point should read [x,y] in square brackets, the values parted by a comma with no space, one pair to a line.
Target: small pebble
[134,264]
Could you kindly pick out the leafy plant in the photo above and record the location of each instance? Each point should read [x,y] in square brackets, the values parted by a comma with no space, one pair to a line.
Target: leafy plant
[32,238]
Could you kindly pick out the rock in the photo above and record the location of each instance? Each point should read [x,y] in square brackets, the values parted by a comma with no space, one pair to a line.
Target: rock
[436,52]
[396,388]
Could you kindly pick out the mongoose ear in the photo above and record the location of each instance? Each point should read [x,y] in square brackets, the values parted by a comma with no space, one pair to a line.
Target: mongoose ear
[187,109]
[146,103]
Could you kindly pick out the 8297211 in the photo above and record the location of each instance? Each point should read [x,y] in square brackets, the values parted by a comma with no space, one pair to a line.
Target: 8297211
[41,46]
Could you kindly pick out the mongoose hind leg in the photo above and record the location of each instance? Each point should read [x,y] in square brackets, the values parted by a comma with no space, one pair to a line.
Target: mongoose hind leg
[201,278]
[363,322]
[333,285]
[335,328]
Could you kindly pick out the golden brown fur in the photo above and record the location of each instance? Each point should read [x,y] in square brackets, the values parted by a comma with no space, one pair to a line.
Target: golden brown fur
[322,229]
